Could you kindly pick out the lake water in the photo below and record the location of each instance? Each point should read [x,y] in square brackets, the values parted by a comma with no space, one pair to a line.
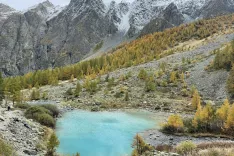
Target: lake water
[101,133]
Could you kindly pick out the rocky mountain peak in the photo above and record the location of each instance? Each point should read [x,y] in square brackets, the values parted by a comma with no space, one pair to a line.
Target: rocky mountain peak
[216,7]
[124,7]
[80,6]
[43,10]
[44,5]
[170,16]
[171,6]
[5,8]
[173,15]
[112,4]
[5,12]
[47,3]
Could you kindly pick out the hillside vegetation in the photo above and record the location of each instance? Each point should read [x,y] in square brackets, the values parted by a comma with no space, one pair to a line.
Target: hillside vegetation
[224,59]
[5,149]
[140,51]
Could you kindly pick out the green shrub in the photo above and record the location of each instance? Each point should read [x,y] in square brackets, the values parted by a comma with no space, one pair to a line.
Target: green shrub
[184,92]
[5,150]
[185,147]
[111,83]
[142,74]
[164,83]
[31,112]
[41,115]
[35,95]
[126,98]
[150,86]
[45,96]
[46,119]
[52,108]
[78,89]
[94,109]
[90,86]
[22,105]
[118,95]
[188,125]
[69,92]
[107,78]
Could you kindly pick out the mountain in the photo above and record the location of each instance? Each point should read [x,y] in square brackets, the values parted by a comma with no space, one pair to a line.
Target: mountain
[5,11]
[74,31]
[216,7]
[169,18]
[48,36]
[20,37]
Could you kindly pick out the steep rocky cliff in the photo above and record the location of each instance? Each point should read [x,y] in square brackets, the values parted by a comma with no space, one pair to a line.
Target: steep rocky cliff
[169,17]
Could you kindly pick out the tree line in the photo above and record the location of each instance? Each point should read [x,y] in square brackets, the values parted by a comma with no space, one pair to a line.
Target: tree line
[139,51]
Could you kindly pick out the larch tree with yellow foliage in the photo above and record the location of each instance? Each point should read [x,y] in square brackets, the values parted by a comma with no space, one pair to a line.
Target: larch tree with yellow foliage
[139,145]
[173,124]
[222,112]
[229,124]
[173,77]
[207,115]
[196,100]
[197,117]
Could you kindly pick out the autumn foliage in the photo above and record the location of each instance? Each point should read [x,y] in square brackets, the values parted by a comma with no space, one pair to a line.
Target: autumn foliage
[196,100]
[207,119]
[174,124]
[142,50]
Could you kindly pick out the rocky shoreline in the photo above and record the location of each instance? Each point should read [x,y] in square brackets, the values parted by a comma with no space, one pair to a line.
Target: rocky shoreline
[156,138]
[25,136]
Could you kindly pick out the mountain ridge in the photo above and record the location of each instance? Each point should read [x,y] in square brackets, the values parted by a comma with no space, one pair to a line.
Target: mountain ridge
[48,36]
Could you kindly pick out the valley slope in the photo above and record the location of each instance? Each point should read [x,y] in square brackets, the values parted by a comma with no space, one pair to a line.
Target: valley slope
[48,36]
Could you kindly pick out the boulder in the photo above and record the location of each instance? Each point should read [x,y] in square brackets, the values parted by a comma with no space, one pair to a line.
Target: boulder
[30,152]
[2,118]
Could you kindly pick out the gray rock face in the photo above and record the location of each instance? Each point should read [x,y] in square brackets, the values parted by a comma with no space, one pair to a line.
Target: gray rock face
[5,11]
[169,18]
[173,15]
[30,41]
[158,24]
[216,7]
[16,46]
[71,34]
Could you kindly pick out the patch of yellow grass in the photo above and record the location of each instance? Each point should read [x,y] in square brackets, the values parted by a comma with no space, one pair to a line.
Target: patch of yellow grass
[216,152]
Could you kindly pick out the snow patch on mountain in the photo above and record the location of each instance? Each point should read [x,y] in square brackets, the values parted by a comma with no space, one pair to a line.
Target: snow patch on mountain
[124,25]
[141,12]
[56,10]
[46,10]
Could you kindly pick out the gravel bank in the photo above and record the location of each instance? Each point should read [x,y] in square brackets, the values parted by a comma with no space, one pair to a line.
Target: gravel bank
[23,134]
[155,138]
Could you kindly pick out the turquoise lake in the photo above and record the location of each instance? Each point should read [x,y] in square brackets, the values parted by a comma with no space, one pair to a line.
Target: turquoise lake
[101,133]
